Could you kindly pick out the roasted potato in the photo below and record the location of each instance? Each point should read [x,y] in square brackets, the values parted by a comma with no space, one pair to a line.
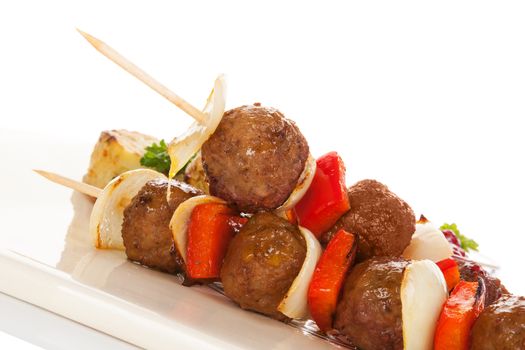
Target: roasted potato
[116,151]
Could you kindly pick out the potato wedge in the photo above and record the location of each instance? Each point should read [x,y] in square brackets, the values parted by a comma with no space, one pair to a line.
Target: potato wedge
[116,152]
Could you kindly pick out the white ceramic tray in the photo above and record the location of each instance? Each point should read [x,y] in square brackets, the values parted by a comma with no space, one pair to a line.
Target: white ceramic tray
[46,259]
[103,290]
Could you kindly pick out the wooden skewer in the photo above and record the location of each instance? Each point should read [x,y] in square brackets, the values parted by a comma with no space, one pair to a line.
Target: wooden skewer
[144,77]
[70,183]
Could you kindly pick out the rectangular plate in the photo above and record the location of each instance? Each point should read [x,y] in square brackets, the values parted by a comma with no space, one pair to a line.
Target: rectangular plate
[47,259]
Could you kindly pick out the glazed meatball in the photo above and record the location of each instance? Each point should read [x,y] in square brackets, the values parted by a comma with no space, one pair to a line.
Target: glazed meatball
[369,312]
[261,263]
[501,326]
[470,272]
[255,158]
[145,230]
[383,222]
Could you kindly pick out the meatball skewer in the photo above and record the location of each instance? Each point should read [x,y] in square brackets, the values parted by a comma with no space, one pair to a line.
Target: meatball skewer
[357,285]
[272,184]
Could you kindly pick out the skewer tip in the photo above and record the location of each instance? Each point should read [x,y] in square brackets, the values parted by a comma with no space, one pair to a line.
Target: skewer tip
[73,184]
[90,38]
[138,73]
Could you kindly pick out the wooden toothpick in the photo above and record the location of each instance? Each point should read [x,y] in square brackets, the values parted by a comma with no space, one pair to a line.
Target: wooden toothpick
[144,77]
[70,183]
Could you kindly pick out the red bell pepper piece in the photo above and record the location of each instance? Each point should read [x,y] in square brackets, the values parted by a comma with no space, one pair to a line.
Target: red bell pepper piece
[328,278]
[326,199]
[211,228]
[458,315]
[450,270]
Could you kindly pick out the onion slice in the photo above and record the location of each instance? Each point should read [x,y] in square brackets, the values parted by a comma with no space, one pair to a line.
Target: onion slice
[304,182]
[182,148]
[428,243]
[294,303]
[105,223]
[181,220]
[423,293]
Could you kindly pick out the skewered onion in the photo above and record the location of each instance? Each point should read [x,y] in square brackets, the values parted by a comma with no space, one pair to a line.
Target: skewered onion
[105,224]
[423,293]
[181,219]
[294,303]
[428,243]
[305,180]
[181,149]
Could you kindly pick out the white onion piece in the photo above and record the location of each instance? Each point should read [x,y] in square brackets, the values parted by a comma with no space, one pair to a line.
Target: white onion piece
[294,303]
[181,219]
[105,223]
[182,148]
[303,184]
[428,243]
[423,293]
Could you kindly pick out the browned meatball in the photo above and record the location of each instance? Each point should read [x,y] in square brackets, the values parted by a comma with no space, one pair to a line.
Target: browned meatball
[501,326]
[369,312]
[255,158]
[383,222]
[470,271]
[145,230]
[262,262]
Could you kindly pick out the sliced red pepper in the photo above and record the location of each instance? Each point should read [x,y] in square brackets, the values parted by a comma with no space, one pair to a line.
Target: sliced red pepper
[326,199]
[211,228]
[328,278]
[450,270]
[458,315]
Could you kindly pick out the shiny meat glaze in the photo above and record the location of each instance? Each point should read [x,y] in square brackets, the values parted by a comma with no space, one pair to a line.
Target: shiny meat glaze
[145,231]
[255,158]
[501,326]
[262,262]
[369,312]
[383,222]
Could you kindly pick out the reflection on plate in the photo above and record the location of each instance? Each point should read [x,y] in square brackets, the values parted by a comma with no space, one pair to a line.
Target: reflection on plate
[102,289]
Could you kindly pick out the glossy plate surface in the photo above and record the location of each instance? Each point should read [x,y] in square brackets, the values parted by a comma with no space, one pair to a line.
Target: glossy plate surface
[47,259]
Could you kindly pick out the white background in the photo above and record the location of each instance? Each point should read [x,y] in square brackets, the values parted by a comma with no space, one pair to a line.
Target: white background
[427,97]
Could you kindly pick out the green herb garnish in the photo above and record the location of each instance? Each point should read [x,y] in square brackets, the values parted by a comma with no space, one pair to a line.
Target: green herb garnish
[157,157]
[466,243]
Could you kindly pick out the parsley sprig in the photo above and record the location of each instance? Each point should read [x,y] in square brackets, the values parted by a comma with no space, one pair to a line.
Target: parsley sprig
[157,157]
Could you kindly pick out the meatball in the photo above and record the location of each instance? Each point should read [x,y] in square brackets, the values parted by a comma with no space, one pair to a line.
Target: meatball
[369,312]
[261,263]
[145,230]
[255,158]
[383,222]
[501,325]
[470,271]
